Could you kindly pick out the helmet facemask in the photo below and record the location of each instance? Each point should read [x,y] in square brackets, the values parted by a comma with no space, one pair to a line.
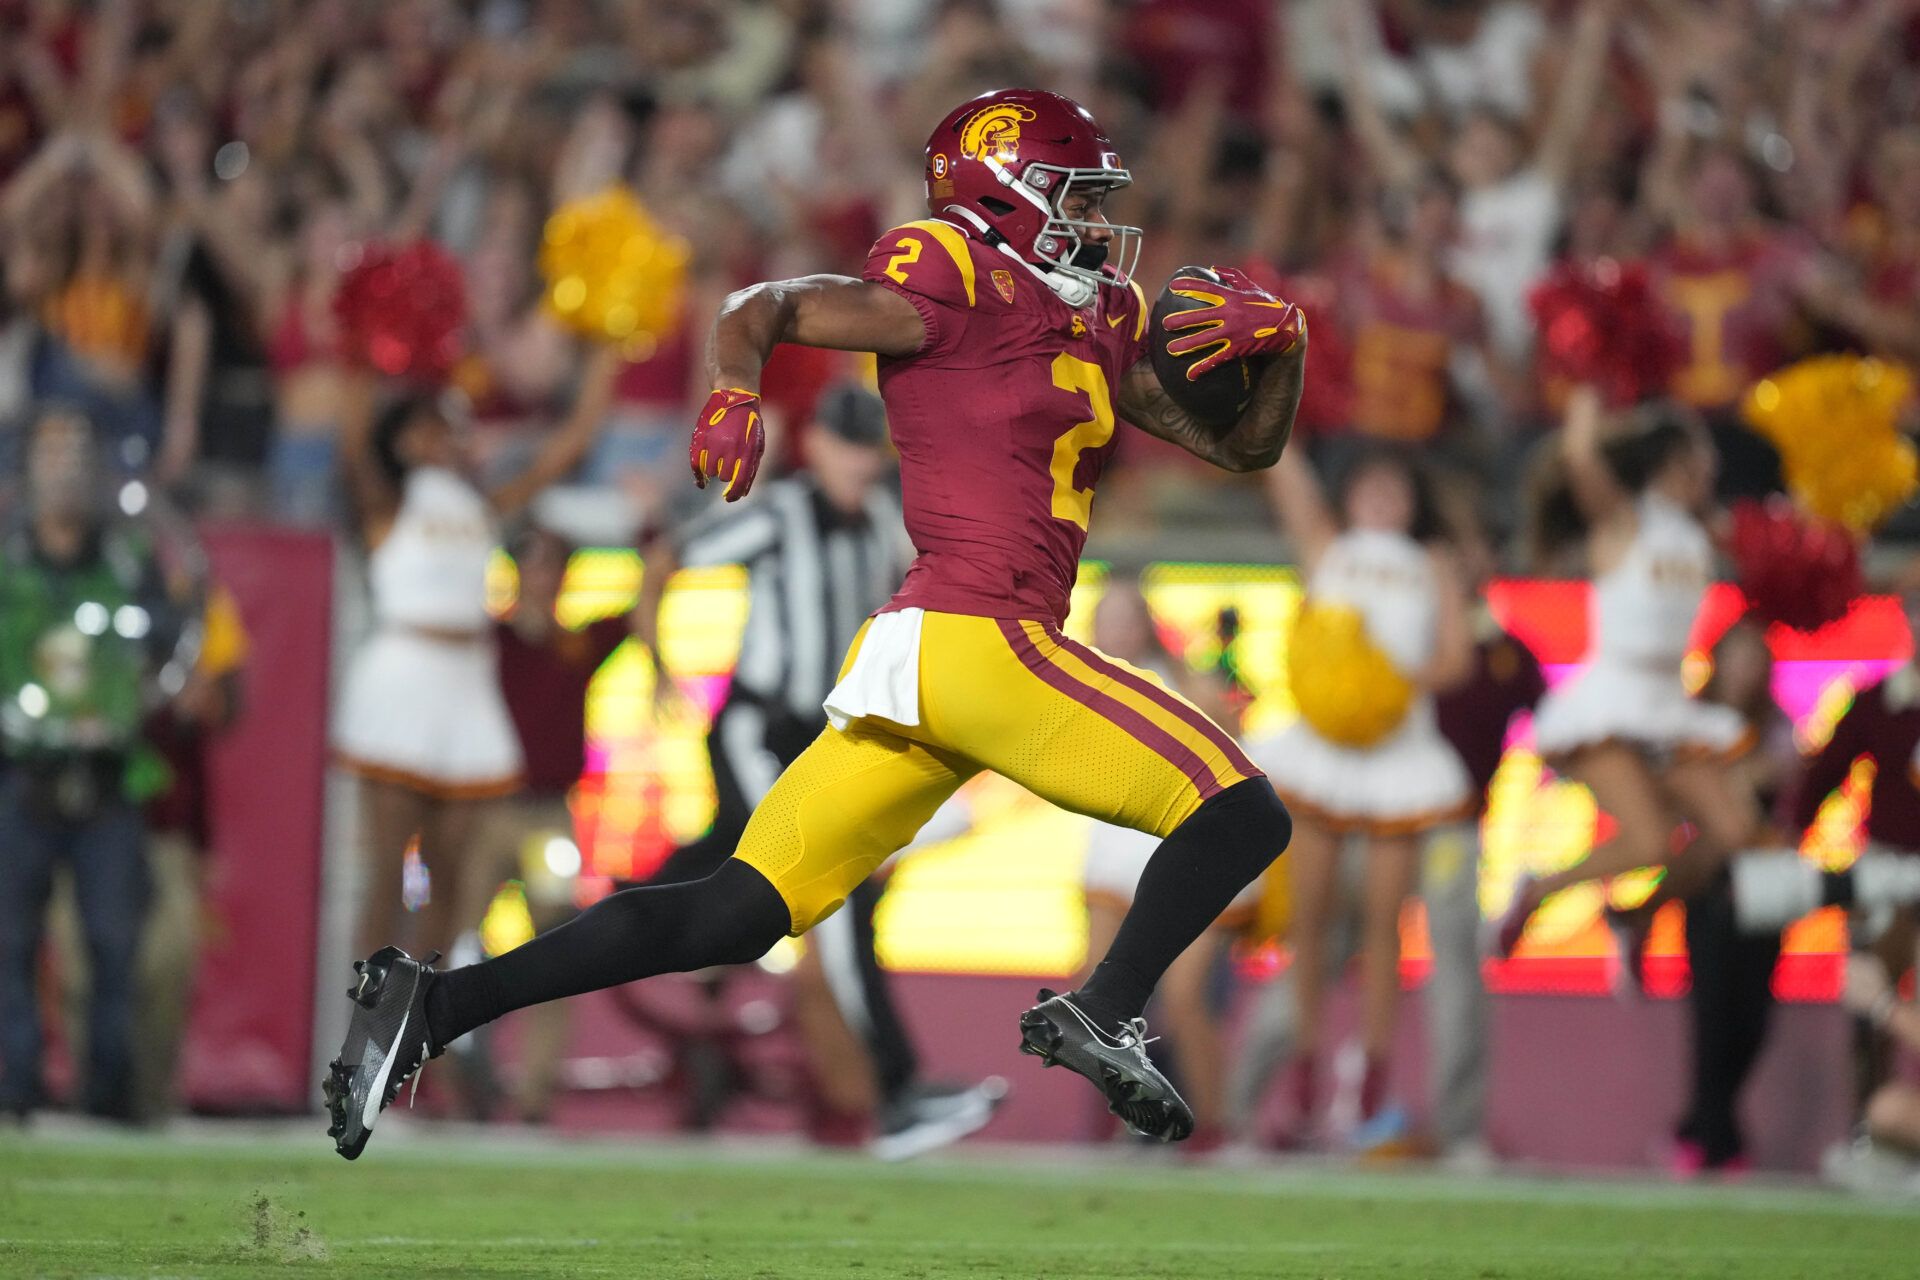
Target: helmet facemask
[1071,262]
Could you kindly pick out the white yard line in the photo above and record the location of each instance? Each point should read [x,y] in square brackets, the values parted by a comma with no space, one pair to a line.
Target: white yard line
[1051,1167]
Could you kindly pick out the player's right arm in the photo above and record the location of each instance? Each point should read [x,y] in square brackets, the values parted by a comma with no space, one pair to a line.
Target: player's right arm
[915,298]
[838,312]
[815,311]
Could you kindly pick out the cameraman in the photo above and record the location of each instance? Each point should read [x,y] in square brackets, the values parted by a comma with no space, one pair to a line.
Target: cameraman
[87,632]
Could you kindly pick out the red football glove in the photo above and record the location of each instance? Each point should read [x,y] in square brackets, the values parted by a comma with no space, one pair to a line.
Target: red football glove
[728,441]
[1237,319]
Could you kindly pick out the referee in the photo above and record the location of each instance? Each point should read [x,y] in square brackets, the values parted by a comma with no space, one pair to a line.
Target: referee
[824,549]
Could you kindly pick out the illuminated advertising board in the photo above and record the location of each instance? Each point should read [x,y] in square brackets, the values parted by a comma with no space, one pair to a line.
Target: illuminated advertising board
[1005,898]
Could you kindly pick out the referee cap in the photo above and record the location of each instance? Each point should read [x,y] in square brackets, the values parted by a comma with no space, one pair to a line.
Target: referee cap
[853,413]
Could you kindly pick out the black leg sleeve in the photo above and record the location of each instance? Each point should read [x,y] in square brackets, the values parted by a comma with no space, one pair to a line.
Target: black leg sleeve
[1191,878]
[731,917]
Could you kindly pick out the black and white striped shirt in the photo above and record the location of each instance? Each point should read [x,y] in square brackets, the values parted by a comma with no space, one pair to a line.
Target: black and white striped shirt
[814,574]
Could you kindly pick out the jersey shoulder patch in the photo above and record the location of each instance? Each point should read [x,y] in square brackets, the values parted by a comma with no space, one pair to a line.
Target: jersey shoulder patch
[930,258]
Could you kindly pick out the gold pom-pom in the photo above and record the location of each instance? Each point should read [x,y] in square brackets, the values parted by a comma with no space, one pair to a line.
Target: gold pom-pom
[1347,689]
[612,272]
[1835,421]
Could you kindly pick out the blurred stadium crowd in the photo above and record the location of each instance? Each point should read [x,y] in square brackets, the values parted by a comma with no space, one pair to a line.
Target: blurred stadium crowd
[184,182]
[184,185]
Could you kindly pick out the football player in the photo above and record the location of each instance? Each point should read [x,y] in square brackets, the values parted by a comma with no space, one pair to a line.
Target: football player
[1011,340]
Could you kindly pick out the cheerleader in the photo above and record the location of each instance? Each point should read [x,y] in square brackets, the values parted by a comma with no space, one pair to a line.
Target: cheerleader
[1653,757]
[421,721]
[1374,554]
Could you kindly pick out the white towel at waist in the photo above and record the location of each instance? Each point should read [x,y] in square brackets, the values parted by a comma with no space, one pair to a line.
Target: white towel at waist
[884,680]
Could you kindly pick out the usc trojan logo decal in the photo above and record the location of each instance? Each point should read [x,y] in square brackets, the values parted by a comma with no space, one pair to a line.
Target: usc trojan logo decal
[995,131]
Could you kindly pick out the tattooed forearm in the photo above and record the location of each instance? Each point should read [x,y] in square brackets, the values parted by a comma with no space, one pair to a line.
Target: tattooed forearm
[1266,425]
[1146,404]
[1252,444]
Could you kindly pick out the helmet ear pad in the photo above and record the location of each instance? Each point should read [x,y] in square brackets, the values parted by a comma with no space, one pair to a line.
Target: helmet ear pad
[1018,221]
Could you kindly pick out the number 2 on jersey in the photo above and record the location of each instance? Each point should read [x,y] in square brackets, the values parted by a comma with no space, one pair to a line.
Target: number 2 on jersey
[908,255]
[1070,373]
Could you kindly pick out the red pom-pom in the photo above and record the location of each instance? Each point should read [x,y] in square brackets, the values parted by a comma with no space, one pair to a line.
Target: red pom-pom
[1794,570]
[402,309]
[1601,323]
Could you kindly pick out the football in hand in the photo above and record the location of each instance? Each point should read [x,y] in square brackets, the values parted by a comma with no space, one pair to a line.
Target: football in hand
[1216,398]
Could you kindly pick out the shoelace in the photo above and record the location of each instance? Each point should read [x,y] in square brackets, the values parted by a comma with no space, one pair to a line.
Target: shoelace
[1132,1032]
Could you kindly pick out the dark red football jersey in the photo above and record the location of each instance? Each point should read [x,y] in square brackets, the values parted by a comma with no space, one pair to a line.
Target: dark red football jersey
[1004,421]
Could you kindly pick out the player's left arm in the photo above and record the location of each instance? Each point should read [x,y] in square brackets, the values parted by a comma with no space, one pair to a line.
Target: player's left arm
[1254,443]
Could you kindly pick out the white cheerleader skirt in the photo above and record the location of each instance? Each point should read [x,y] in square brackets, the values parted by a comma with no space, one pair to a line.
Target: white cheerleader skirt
[426,712]
[1410,782]
[1117,857]
[1646,707]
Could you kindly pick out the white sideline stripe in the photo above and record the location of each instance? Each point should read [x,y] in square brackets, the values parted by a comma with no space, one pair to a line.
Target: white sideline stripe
[1340,1246]
[510,1242]
[85,1186]
[1002,1165]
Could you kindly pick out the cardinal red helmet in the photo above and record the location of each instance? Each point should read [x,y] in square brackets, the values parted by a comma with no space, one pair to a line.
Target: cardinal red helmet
[1004,163]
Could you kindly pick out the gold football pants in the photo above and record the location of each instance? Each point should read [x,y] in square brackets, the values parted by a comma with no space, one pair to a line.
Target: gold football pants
[1087,732]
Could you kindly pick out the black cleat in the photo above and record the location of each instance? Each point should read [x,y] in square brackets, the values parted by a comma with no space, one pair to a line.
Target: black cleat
[386,1043]
[1059,1033]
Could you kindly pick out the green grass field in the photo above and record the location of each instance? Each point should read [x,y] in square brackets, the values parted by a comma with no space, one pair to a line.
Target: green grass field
[97,1206]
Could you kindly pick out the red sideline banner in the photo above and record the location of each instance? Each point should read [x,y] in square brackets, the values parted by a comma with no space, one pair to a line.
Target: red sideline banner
[248,1044]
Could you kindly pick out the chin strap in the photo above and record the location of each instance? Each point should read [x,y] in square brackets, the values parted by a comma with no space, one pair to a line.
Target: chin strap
[1073,291]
